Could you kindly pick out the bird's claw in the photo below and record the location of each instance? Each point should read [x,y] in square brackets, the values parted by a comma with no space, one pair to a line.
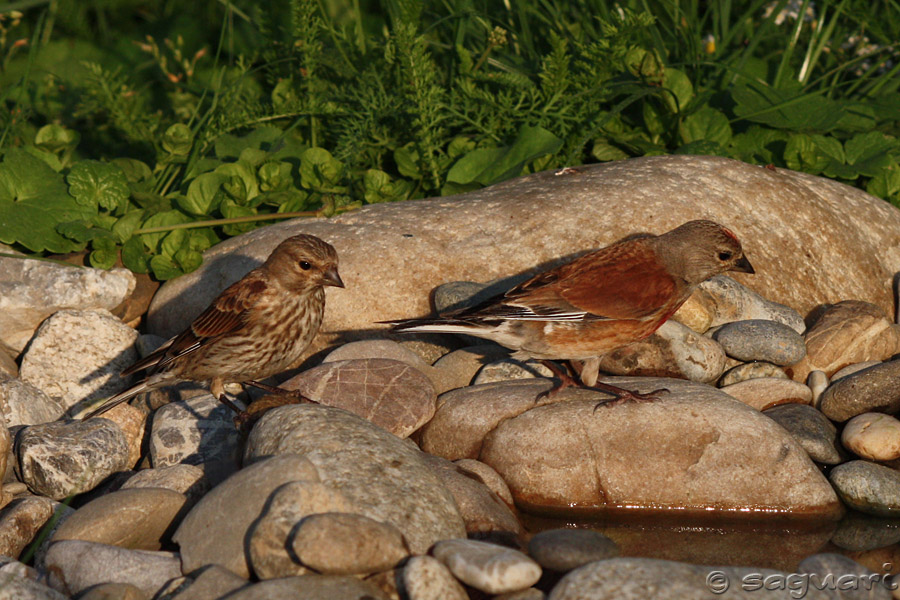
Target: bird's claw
[631,396]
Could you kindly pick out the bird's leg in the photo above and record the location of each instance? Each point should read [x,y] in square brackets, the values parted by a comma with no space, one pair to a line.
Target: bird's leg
[621,394]
[565,380]
[217,387]
[272,389]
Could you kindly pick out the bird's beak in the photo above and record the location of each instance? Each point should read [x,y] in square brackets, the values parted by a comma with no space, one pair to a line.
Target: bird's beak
[332,278]
[743,266]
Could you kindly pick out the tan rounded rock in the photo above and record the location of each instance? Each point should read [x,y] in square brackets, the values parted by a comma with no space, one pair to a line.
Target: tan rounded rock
[697,449]
[697,312]
[426,578]
[487,567]
[765,392]
[348,544]
[873,436]
[782,217]
[846,333]
[136,519]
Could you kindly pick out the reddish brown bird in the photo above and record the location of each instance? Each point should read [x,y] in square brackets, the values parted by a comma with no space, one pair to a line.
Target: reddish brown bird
[599,302]
[255,328]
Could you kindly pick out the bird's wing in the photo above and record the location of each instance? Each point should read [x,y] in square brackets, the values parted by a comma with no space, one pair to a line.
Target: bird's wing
[622,281]
[229,312]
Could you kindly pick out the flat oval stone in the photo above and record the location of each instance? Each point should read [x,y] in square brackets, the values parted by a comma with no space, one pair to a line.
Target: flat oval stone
[335,543]
[480,508]
[487,567]
[876,389]
[751,370]
[271,555]
[457,369]
[310,587]
[874,436]
[842,569]
[137,519]
[114,591]
[488,476]
[184,479]
[757,339]
[426,578]
[76,565]
[20,521]
[867,487]
[765,392]
[812,430]
[389,393]
[565,549]
[851,369]
[697,312]
[62,459]
[24,404]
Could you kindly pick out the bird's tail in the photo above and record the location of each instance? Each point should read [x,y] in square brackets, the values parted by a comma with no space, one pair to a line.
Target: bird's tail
[438,325]
[121,397]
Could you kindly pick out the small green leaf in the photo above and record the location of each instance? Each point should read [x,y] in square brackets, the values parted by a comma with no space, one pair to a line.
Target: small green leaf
[604,151]
[135,256]
[230,146]
[178,140]
[189,260]
[705,147]
[164,268]
[786,109]
[869,153]
[407,159]
[173,242]
[104,254]
[813,153]
[319,170]
[80,231]
[706,124]
[203,238]
[275,176]
[231,210]
[531,143]
[135,171]
[203,195]
[681,90]
[470,166]
[161,219]
[460,145]
[240,181]
[125,226]
[56,138]
[93,183]
[297,200]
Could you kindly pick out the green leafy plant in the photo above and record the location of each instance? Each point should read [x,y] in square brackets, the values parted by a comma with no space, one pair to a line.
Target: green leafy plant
[204,124]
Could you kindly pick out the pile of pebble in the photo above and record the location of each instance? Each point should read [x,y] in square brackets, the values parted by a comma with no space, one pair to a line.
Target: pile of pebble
[404,481]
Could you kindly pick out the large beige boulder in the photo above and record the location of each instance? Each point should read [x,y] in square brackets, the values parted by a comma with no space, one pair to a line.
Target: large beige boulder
[811,240]
[694,450]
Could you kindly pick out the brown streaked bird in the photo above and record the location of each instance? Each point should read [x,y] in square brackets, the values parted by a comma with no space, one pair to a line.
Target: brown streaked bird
[254,329]
[600,301]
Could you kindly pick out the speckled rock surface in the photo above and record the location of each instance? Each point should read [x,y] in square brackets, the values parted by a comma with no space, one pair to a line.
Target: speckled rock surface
[78,354]
[777,214]
[32,290]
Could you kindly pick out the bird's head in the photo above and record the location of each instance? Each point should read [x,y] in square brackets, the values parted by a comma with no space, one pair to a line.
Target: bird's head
[304,262]
[699,250]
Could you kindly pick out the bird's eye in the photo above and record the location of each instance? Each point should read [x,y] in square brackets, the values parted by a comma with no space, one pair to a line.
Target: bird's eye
[724,255]
[306,266]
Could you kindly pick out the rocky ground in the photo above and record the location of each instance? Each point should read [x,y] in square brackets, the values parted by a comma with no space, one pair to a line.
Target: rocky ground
[418,473]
